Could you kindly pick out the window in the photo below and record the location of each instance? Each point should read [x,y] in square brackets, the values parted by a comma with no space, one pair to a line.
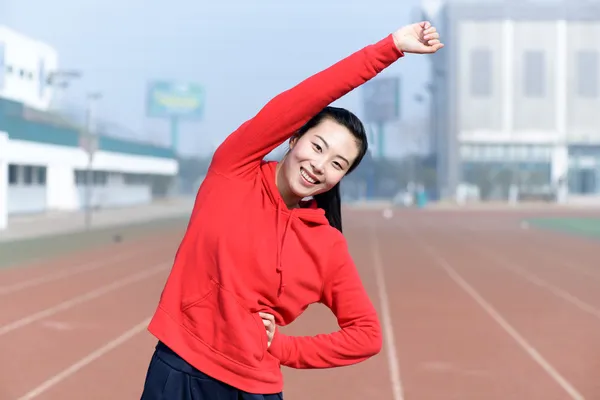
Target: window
[2,64]
[100,178]
[13,174]
[81,177]
[41,175]
[27,174]
[588,70]
[481,72]
[534,74]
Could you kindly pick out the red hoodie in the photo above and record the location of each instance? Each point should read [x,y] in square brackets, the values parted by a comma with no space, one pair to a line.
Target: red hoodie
[244,251]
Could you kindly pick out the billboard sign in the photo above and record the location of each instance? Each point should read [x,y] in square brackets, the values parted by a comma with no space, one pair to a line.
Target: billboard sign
[381,100]
[175,100]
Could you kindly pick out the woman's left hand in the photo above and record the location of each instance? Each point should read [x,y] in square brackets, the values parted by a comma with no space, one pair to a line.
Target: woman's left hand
[269,322]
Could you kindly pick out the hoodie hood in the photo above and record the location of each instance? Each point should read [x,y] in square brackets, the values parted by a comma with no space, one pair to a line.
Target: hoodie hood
[309,215]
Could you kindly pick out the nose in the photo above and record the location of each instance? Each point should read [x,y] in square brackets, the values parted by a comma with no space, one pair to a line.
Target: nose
[317,167]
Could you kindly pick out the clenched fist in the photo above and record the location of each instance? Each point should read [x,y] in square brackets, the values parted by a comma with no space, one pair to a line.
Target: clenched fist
[419,38]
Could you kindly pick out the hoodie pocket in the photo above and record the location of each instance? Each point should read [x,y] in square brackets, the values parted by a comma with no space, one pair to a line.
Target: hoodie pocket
[220,321]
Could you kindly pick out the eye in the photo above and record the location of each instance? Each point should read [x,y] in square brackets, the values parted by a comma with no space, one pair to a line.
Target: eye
[317,147]
[337,165]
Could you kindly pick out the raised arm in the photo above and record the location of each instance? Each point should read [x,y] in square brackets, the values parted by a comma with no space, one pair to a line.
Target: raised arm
[359,336]
[277,121]
[244,149]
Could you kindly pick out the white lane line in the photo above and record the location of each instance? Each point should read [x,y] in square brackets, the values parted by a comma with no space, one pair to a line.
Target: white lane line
[496,316]
[90,358]
[66,273]
[82,298]
[386,319]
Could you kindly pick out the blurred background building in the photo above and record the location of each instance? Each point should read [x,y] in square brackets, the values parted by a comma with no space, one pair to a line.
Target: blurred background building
[49,155]
[515,98]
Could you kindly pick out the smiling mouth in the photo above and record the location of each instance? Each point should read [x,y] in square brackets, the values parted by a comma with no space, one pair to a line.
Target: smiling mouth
[308,177]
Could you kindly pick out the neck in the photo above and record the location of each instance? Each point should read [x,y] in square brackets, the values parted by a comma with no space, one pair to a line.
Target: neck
[289,198]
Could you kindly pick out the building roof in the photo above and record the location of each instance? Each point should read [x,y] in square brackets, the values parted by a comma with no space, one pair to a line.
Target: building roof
[22,123]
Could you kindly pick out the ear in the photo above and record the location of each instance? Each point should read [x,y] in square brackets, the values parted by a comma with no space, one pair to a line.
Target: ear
[293,141]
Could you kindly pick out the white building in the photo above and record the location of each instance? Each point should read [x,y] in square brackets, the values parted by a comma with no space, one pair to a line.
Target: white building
[516,94]
[42,165]
[26,66]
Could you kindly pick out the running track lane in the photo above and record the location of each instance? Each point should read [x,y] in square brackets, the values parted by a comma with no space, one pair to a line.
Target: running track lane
[523,290]
[572,297]
[42,345]
[40,297]
[61,269]
[133,352]
[449,347]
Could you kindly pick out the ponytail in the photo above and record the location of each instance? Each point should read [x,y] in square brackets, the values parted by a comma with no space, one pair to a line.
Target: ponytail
[331,202]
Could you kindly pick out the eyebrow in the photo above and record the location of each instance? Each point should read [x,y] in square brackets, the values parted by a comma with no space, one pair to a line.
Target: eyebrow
[327,145]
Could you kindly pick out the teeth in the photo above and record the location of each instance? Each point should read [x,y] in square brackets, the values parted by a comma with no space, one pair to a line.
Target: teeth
[307,177]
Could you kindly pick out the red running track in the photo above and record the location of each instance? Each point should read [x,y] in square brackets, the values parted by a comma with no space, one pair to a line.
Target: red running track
[472,306]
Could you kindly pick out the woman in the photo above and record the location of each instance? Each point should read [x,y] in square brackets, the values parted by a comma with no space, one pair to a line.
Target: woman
[256,254]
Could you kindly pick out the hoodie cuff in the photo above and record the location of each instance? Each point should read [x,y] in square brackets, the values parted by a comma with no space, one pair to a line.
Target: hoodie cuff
[277,348]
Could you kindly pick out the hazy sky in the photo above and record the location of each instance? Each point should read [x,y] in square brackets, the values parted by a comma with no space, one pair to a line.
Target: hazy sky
[243,52]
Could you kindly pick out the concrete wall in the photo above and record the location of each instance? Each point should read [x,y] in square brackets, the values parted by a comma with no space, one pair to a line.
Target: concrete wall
[26,199]
[535,90]
[521,96]
[63,194]
[583,81]
[480,100]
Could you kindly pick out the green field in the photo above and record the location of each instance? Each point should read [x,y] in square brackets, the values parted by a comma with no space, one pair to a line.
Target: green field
[23,250]
[589,227]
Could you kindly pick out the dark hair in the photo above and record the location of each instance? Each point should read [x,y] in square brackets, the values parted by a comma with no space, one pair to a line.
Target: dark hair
[331,200]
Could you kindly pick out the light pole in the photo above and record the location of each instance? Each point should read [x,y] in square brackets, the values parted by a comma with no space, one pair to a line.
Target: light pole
[90,145]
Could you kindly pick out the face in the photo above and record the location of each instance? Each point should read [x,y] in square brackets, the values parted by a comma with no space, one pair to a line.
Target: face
[319,159]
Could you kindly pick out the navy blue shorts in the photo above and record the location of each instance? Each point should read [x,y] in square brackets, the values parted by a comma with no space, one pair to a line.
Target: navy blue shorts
[170,377]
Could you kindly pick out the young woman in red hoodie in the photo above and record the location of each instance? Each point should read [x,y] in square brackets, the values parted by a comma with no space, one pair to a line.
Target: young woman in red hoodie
[256,254]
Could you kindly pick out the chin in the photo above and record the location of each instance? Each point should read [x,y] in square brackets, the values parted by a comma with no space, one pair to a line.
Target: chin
[302,193]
